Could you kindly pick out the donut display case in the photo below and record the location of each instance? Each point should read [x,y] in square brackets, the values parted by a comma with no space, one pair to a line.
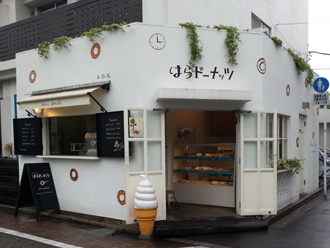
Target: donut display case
[204,173]
[204,164]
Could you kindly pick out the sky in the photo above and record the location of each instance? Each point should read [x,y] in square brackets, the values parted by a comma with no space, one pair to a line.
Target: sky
[319,36]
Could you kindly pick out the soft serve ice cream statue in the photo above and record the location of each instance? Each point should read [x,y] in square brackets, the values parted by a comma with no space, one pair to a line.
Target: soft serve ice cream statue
[145,196]
[146,204]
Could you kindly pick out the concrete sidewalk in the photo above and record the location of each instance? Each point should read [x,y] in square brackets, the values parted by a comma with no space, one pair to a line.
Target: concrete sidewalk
[70,232]
[59,233]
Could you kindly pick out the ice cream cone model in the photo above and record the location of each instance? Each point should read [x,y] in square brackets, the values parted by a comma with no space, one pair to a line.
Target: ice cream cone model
[146,204]
[146,219]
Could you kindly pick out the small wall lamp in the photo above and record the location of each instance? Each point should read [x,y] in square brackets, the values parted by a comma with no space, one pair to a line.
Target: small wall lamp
[305,105]
[37,111]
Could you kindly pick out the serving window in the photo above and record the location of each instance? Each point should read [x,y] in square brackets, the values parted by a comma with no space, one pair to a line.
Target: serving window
[72,135]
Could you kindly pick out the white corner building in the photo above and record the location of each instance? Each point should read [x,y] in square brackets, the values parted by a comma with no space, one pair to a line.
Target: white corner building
[128,103]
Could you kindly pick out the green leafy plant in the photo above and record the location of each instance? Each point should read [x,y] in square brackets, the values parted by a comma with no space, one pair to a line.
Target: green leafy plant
[277,41]
[43,49]
[62,41]
[231,41]
[195,47]
[302,66]
[289,164]
[93,34]
[97,32]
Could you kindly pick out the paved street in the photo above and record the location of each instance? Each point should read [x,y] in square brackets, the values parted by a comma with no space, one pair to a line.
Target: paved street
[307,227]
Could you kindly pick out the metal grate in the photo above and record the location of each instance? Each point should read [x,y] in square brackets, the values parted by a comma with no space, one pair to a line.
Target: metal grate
[70,20]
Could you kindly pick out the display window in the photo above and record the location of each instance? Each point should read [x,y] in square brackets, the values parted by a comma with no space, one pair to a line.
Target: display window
[72,135]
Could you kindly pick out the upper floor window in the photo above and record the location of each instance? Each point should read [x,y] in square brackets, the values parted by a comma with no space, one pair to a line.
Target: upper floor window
[53,5]
[259,26]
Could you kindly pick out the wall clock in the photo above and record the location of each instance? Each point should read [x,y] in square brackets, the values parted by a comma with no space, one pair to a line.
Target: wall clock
[157,41]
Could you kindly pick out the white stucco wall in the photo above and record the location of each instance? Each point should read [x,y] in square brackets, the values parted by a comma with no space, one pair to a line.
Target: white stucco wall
[7,113]
[235,13]
[4,9]
[137,71]
[8,90]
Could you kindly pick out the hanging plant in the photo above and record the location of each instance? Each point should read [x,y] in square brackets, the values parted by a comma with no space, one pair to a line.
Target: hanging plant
[302,66]
[231,41]
[43,49]
[195,47]
[61,42]
[64,41]
[97,32]
[93,34]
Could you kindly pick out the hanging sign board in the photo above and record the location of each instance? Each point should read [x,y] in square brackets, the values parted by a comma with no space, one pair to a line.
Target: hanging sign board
[110,134]
[37,188]
[28,136]
[321,99]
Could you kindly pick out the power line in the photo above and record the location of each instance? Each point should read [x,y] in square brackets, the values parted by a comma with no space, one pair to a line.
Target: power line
[294,23]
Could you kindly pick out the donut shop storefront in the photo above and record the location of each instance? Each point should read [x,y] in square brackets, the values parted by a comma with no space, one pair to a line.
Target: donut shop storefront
[124,106]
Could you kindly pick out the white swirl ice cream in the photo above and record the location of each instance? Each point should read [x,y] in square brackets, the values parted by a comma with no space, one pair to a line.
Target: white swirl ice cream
[145,196]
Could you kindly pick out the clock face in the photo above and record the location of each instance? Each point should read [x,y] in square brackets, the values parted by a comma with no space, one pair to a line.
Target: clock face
[157,41]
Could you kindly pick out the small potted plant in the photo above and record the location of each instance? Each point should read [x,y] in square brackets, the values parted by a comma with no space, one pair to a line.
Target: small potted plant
[9,147]
[290,164]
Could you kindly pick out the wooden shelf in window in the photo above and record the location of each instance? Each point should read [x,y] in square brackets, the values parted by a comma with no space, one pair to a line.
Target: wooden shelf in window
[214,172]
[204,158]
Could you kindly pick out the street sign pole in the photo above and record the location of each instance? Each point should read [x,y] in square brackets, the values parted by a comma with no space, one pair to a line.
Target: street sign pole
[321,85]
[325,152]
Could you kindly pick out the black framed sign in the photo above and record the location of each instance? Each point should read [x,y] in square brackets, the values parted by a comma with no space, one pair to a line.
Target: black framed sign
[110,134]
[28,136]
[37,188]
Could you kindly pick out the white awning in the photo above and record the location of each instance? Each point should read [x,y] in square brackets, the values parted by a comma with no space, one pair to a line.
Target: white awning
[58,99]
[204,94]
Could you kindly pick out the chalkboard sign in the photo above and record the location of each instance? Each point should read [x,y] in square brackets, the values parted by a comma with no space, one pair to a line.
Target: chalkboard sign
[110,134]
[37,188]
[28,136]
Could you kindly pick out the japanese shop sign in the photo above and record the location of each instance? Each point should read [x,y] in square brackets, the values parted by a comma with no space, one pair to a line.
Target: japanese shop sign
[214,73]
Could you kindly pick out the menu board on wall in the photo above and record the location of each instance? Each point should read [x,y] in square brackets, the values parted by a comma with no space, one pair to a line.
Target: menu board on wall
[110,134]
[28,136]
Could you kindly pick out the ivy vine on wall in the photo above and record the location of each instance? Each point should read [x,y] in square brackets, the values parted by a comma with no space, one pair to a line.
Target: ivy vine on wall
[231,41]
[64,41]
[301,63]
[195,47]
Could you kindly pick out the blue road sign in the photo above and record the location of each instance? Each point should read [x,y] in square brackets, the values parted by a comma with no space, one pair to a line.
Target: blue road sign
[321,84]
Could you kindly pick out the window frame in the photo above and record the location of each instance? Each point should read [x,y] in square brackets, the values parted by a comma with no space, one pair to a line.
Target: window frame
[47,138]
[263,26]
[283,123]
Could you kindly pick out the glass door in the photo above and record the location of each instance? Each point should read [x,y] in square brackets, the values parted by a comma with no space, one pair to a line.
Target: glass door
[145,140]
[257,172]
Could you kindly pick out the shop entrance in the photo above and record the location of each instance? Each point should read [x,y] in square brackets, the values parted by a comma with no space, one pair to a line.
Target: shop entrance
[201,156]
